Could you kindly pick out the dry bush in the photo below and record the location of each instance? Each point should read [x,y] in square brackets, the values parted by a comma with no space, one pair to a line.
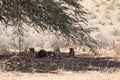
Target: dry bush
[107,17]
[101,22]
[118,19]
[118,13]
[116,32]
[93,17]
[4,48]
[111,23]
[97,5]
[97,10]
[103,3]
[107,12]
[117,50]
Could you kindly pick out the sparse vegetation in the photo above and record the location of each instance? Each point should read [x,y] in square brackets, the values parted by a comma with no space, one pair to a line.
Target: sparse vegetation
[116,32]
[117,50]
[52,16]
[50,30]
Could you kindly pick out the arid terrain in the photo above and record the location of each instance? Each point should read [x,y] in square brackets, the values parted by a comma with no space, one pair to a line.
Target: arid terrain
[61,75]
[82,67]
[103,14]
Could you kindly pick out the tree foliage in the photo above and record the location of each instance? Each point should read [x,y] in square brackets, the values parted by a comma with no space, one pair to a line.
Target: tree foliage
[64,16]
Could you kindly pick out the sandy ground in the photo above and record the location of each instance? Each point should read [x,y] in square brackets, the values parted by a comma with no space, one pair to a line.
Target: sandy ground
[61,75]
[104,14]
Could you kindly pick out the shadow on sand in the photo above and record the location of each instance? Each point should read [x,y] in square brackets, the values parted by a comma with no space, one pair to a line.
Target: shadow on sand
[80,63]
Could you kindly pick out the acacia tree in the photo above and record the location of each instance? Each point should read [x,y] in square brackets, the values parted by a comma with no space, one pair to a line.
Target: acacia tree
[63,16]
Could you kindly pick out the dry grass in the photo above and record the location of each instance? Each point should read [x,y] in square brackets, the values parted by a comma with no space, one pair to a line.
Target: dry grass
[99,11]
[117,50]
[109,73]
